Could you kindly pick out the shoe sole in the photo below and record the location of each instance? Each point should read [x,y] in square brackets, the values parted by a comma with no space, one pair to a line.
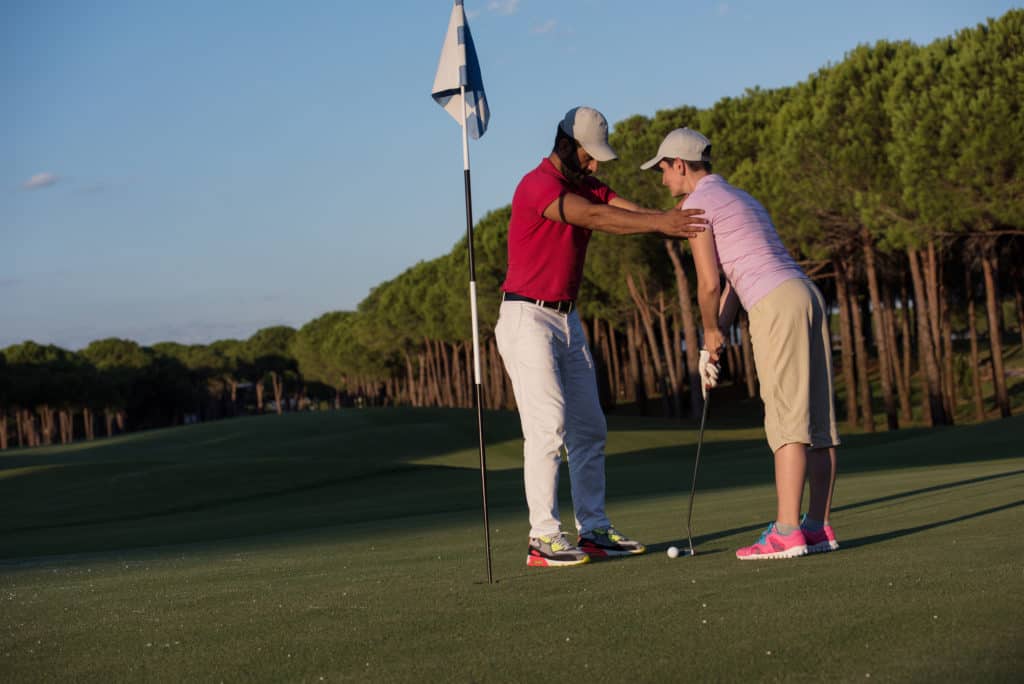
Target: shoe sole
[601,552]
[539,562]
[823,547]
[794,552]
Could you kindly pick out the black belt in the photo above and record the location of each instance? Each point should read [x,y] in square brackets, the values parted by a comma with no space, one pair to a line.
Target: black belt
[564,306]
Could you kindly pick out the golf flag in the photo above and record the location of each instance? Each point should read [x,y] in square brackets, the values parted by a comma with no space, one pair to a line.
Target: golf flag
[459,67]
[460,90]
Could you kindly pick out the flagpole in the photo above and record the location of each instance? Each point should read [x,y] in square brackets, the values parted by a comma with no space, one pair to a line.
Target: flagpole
[478,397]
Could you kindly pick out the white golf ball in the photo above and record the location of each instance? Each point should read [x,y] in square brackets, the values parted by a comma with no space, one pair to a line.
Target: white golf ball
[672,552]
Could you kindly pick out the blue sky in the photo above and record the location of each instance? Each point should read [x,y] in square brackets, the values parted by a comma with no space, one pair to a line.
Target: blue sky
[192,171]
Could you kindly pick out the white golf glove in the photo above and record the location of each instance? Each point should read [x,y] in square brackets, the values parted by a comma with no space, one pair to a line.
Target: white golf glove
[708,373]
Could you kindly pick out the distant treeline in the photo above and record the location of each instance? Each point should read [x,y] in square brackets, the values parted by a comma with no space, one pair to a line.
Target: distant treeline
[894,176]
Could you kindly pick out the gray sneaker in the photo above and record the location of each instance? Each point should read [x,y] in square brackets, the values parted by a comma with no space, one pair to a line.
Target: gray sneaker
[608,543]
[554,551]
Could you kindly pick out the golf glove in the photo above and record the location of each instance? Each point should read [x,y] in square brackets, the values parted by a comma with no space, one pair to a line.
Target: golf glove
[708,373]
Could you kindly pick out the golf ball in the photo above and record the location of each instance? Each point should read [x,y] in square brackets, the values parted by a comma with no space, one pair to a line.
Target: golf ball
[672,552]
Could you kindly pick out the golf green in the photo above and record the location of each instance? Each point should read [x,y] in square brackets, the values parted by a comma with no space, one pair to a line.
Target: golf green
[349,546]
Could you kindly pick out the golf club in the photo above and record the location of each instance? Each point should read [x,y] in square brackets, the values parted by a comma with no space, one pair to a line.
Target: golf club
[696,464]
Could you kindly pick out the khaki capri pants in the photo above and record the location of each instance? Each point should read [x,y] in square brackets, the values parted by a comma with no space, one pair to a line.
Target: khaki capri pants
[793,355]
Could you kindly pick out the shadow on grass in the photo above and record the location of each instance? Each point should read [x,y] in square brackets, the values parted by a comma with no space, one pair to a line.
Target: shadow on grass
[927,490]
[701,539]
[308,472]
[895,534]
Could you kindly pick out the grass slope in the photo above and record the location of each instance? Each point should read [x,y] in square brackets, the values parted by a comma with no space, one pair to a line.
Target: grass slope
[348,546]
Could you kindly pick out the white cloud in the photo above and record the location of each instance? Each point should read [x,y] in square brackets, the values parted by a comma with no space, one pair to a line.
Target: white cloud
[40,180]
[547,27]
[503,6]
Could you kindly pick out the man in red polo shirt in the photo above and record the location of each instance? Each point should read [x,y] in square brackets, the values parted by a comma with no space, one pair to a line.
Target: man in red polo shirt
[554,210]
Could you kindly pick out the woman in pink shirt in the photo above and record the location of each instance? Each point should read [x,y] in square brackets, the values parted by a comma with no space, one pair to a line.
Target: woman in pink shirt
[789,333]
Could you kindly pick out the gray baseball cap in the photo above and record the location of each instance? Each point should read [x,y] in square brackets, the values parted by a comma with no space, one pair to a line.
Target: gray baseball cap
[589,128]
[682,143]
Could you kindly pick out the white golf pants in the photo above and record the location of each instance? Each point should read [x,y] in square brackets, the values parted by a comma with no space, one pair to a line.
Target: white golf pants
[552,373]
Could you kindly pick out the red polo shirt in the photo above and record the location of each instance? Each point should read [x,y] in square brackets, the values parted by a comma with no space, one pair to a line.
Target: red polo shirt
[545,258]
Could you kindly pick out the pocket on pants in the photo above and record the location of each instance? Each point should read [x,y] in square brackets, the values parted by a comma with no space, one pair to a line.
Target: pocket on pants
[506,327]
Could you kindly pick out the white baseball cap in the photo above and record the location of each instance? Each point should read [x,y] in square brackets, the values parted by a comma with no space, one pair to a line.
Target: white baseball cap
[589,128]
[682,143]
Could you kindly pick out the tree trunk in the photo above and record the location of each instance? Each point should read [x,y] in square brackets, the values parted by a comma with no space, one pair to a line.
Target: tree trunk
[1018,275]
[933,286]
[677,351]
[644,310]
[881,338]
[46,423]
[947,352]
[422,383]
[866,409]
[36,428]
[410,379]
[3,430]
[730,363]
[618,382]
[445,373]
[931,395]
[260,389]
[27,421]
[931,275]
[902,386]
[446,369]
[908,337]
[278,388]
[24,436]
[433,372]
[654,372]
[846,340]
[64,420]
[18,427]
[458,380]
[972,328]
[471,374]
[633,342]
[990,266]
[672,390]
[690,339]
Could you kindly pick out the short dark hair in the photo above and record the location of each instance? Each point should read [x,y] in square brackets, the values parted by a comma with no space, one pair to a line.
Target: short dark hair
[704,164]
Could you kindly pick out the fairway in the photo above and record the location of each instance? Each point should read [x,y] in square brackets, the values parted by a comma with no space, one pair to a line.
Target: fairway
[348,546]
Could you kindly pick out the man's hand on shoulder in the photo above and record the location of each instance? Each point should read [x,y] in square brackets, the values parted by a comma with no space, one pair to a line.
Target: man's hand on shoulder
[682,223]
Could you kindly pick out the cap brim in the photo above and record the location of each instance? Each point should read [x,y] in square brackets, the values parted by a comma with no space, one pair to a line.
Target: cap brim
[650,163]
[602,152]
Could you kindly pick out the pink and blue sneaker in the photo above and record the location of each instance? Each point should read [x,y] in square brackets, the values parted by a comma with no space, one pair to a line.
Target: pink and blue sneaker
[773,545]
[819,541]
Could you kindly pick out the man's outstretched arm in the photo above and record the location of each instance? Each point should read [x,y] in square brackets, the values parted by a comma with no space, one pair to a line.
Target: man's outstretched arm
[617,220]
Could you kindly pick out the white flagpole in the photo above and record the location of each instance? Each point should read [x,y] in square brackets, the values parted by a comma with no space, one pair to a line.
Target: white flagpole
[476,335]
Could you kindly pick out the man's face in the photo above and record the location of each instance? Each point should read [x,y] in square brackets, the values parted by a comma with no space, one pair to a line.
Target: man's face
[588,164]
[672,176]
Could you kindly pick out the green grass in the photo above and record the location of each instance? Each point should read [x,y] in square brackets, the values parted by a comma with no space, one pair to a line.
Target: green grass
[348,547]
